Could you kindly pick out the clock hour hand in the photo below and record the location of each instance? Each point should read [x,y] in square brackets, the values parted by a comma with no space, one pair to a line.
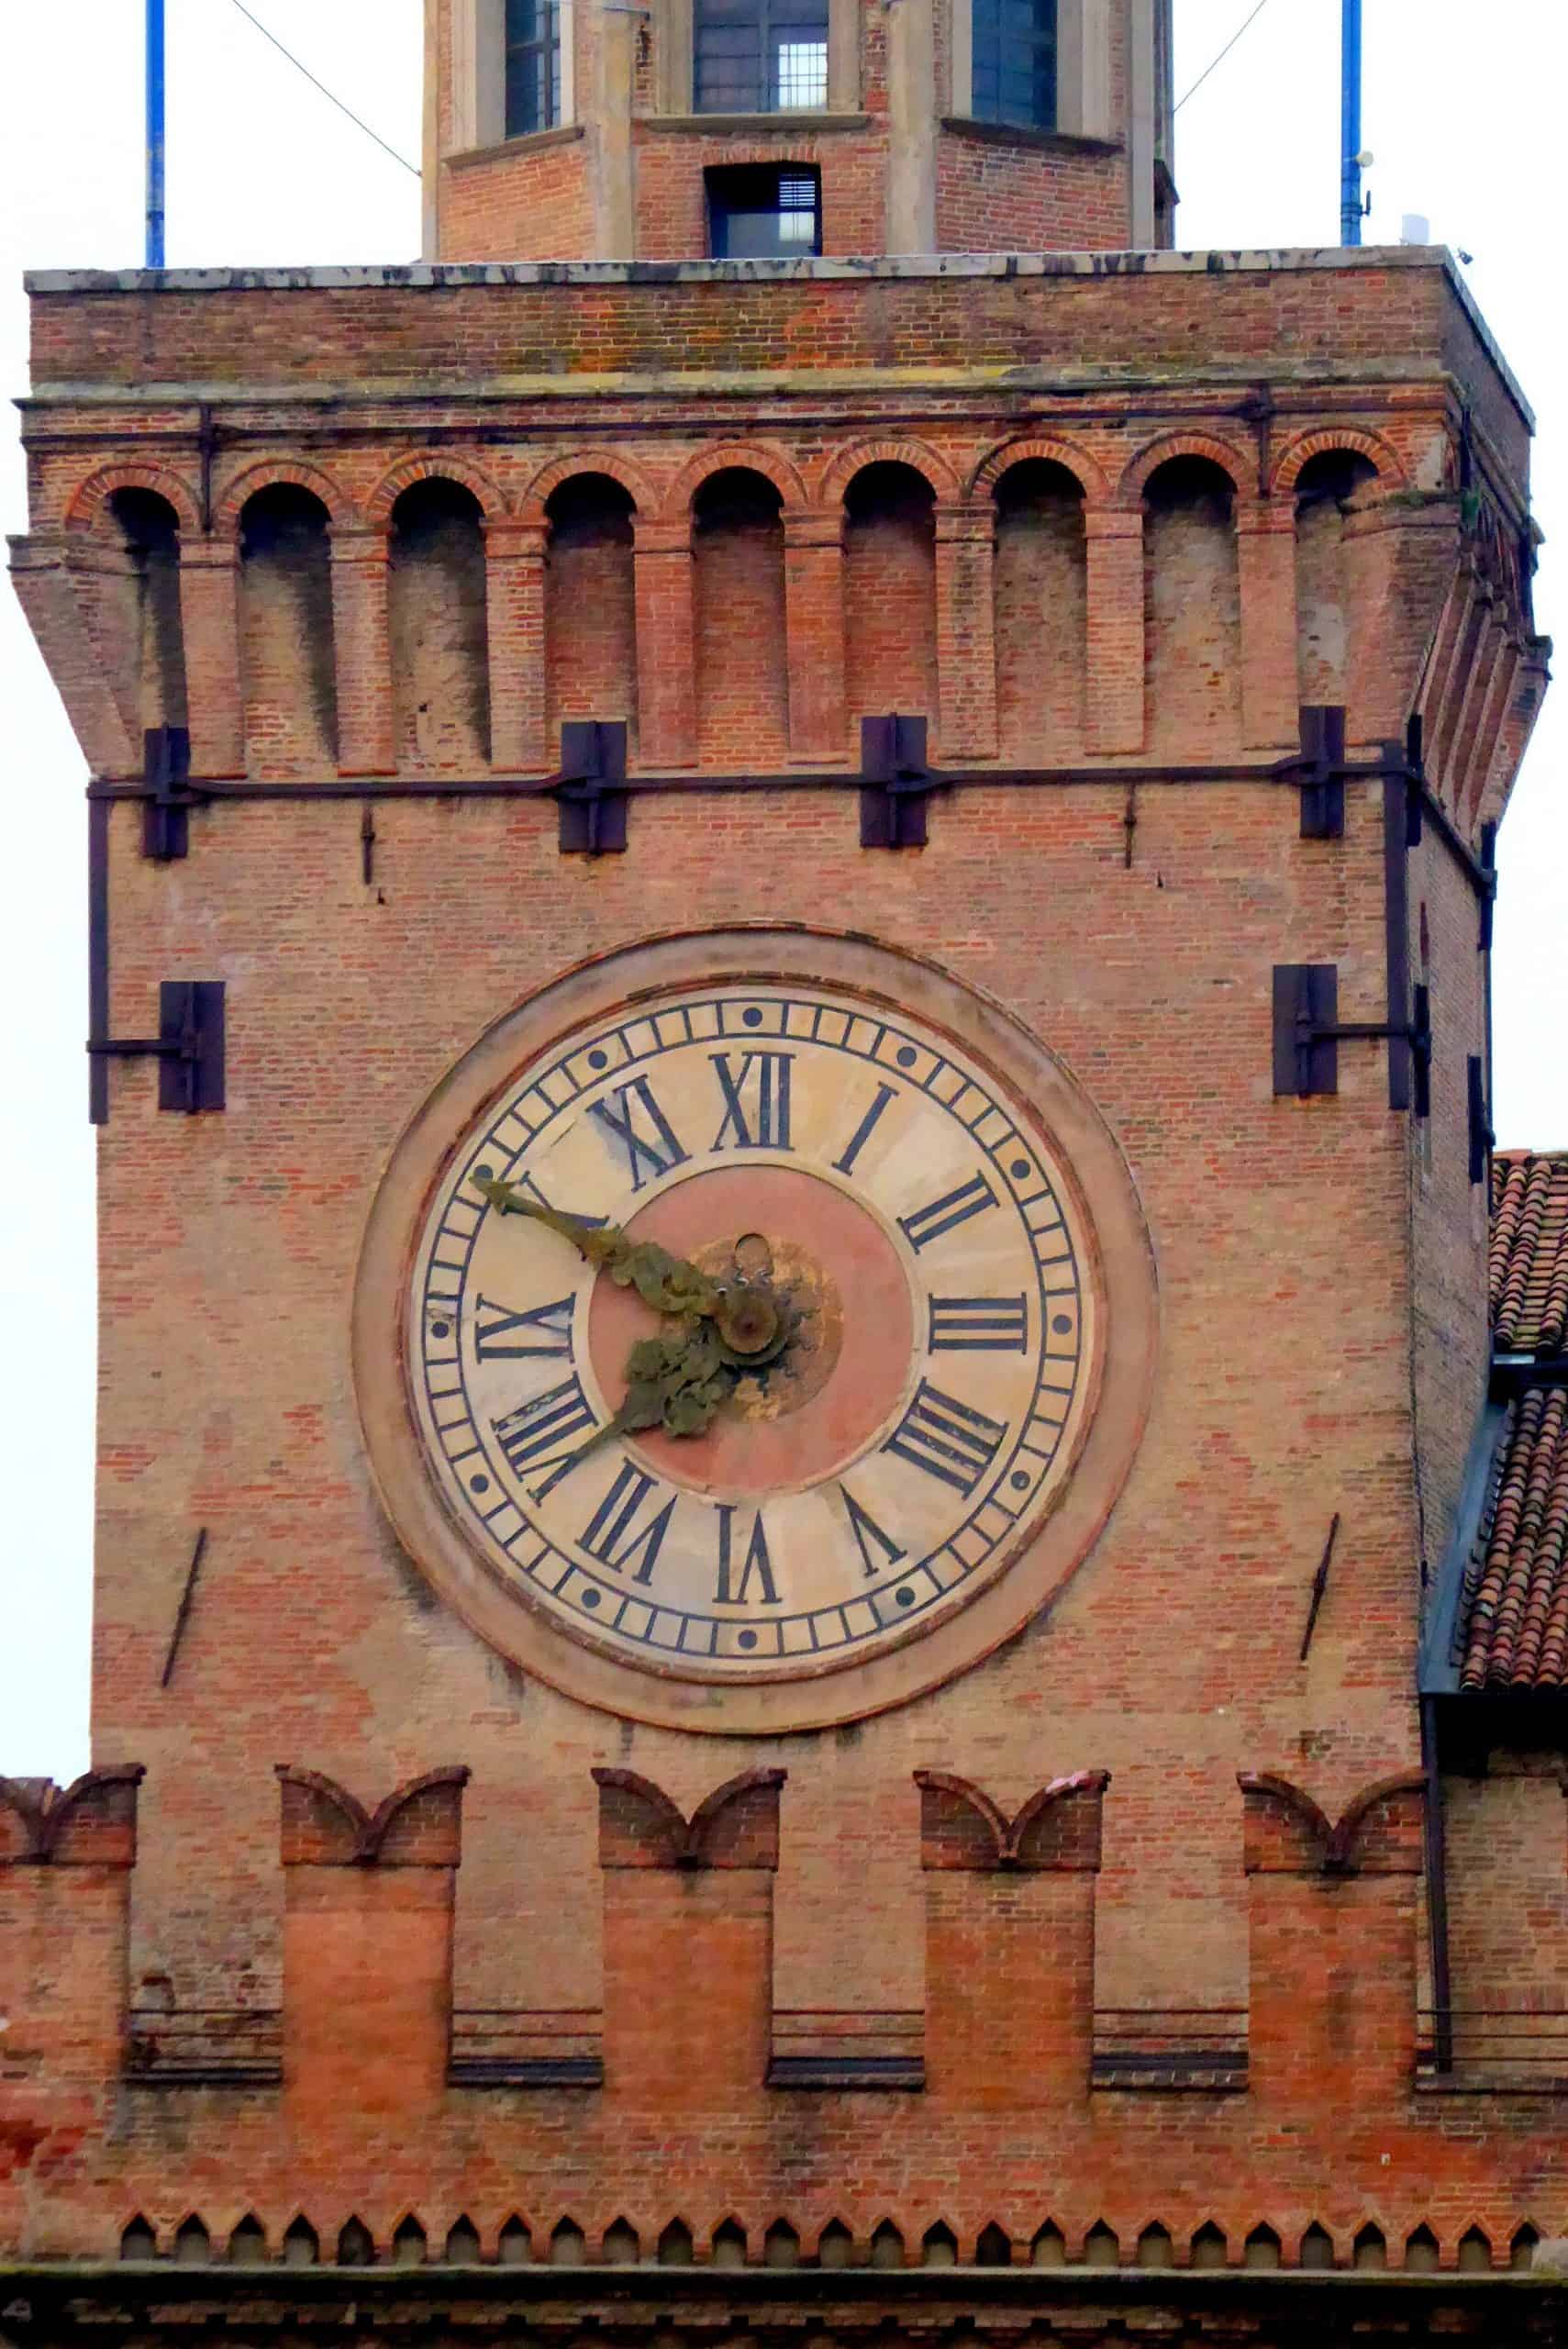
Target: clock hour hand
[667,1283]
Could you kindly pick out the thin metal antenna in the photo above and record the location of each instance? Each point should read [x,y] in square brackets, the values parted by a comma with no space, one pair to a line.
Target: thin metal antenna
[1350,122]
[155,111]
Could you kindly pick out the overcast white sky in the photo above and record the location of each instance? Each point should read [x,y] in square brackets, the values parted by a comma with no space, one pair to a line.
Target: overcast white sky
[1463,116]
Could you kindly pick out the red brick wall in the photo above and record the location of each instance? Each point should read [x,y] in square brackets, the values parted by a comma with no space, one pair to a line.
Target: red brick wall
[590,620]
[1191,608]
[1296,1305]
[742,683]
[439,641]
[1040,598]
[285,633]
[890,614]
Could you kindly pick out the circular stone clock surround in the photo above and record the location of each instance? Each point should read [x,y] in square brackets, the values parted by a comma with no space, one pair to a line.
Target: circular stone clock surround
[859,1414]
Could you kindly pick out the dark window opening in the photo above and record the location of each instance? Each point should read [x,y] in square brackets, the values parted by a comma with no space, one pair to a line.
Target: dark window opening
[760,56]
[533,66]
[755,213]
[1013,62]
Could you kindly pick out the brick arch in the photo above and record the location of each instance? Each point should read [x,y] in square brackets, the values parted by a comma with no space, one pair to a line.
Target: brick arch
[1086,471]
[841,469]
[87,507]
[1331,441]
[1232,461]
[436,465]
[293,471]
[636,483]
[737,456]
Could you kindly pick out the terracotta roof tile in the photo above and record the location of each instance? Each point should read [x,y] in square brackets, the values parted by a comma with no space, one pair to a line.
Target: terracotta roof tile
[1529,1263]
[1516,1600]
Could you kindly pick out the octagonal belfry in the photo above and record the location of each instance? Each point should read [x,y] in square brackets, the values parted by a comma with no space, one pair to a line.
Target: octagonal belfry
[726,129]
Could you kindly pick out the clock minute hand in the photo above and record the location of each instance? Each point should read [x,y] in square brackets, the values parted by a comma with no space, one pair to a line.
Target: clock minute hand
[667,1283]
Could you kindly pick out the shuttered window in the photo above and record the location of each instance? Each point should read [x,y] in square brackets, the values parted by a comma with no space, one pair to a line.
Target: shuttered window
[1014,63]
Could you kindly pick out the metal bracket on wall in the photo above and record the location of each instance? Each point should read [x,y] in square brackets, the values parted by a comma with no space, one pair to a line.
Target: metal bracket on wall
[896,782]
[1483,1140]
[1309,1032]
[1487,893]
[591,789]
[188,1047]
[165,813]
[1322,771]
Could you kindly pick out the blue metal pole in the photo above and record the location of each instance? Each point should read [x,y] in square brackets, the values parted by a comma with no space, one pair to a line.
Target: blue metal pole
[1350,122]
[155,134]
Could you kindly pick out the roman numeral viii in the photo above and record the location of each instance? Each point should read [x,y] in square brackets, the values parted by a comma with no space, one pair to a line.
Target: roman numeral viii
[946,1439]
[756,1102]
[638,1127]
[501,1335]
[928,1223]
[978,1325]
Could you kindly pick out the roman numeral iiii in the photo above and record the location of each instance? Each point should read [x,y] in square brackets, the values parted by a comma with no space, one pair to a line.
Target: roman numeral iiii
[946,1439]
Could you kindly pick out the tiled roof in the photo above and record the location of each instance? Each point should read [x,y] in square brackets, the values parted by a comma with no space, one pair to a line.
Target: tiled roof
[1515,1608]
[1527,1272]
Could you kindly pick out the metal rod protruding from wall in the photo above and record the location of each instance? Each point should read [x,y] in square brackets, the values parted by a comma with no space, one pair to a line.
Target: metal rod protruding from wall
[1350,122]
[155,111]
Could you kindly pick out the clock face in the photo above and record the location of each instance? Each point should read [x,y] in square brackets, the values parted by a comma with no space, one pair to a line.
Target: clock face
[894,1361]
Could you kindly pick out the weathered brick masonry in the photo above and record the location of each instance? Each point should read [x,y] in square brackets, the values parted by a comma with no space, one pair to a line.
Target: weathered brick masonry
[1106,526]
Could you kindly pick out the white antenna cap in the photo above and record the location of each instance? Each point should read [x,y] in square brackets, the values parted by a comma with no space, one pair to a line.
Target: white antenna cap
[1414,228]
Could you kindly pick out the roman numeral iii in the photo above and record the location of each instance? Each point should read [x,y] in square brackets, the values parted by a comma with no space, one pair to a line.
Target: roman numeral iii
[978,1325]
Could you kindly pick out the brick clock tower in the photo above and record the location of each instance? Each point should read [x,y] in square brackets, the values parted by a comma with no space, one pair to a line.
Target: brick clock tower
[822,1603]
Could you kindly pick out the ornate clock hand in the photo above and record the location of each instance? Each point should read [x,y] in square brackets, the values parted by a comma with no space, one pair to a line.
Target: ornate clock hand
[668,1283]
[747,1319]
[679,1381]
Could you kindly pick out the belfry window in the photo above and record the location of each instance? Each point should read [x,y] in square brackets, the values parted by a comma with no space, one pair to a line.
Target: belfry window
[1014,63]
[755,213]
[533,66]
[760,56]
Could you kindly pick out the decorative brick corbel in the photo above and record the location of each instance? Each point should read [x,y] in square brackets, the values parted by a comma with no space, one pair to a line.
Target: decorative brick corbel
[1058,1827]
[1009,1939]
[736,1826]
[66,1857]
[90,1823]
[419,1824]
[1331,1941]
[688,1940]
[367,1950]
[1285,1833]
